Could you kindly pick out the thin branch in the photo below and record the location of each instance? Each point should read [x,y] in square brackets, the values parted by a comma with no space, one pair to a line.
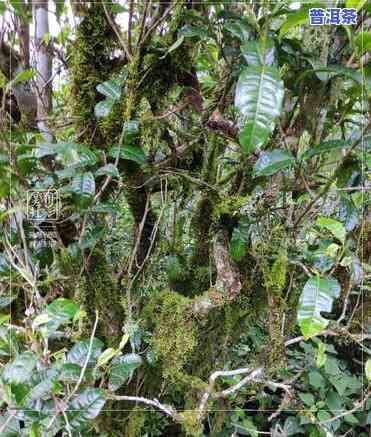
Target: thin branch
[130,25]
[117,32]
[167,409]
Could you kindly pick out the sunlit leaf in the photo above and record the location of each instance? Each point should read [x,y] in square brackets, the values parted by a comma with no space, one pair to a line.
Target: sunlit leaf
[317,296]
[258,97]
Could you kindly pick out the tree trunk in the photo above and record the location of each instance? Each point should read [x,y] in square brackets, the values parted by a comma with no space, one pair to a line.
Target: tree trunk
[43,67]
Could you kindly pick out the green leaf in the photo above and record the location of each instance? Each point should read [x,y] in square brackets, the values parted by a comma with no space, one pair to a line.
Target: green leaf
[24,76]
[326,146]
[83,185]
[85,407]
[316,380]
[295,19]
[70,372]
[272,162]
[238,244]
[258,97]
[58,312]
[238,29]
[307,398]
[254,54]
[79,352]
[46,380]
[368,369]
[20,370]
[247,427]
[103,108]
[336,70]
[355,4]
[110,89]
[121,369]
[335,227]
[109,170]
[131,153]
[363,42]
[131,131]
[317,296]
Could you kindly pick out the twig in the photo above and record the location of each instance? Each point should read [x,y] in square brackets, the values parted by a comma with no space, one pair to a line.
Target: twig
[167,409]
[117,32]
[130,24]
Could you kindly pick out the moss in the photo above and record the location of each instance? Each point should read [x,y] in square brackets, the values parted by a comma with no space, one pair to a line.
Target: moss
[135,423]
[90,65]
[175,335]
[231,205]
[191,424]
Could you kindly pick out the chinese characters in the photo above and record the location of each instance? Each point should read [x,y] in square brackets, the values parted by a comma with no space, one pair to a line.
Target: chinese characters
[332,16]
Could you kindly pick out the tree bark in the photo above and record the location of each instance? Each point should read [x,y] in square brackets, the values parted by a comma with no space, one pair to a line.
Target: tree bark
[43,67]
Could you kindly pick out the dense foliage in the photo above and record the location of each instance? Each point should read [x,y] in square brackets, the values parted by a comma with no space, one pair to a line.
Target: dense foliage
[185,220]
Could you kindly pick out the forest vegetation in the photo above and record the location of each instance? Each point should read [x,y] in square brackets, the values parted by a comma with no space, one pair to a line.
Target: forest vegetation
[185,219]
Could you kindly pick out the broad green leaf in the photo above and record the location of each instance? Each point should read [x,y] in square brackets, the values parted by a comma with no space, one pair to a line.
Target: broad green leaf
[83,185]
[255,55]
[109,170]
[247,427]
[110,89]
[192,31]
[294,19]
[272,162]
[24,76]
[131,153]
[85,407]
[59,8]
[44,385]
[121,369]
[336,70]
[20,369]
[355,4]
[58,312]
[103,108]
[326,146]
[131,131]
[335,227]
[307,398]
[258,97]
[79,352]
[239,29]
[238,244]
[70,154]
[70,372]
[317,296]
[368,369]
[316,380]
[363,42]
